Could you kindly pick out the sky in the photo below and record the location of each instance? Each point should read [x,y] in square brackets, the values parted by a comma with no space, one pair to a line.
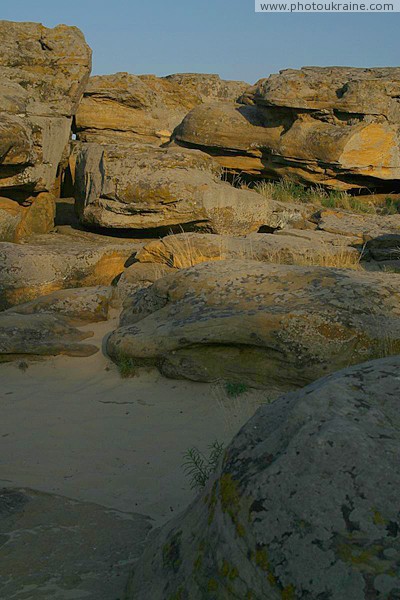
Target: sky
[215,36]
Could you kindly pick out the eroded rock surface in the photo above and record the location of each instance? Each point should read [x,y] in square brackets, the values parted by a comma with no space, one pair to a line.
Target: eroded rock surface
[43,74]
[56,262]
[258,323]
[123,108]
[19,222]
[80,305]
[304,505]
[335,126]
[33,335]
[138,186]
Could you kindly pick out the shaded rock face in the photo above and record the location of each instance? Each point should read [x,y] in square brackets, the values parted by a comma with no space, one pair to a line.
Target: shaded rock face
[139,186]
[258,323]
[54,263]
[304,505]
[334,126]
[129,108]
[89,560]
[43,74]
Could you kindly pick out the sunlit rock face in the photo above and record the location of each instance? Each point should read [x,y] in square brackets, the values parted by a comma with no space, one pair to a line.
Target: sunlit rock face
[335,126]
[43,73]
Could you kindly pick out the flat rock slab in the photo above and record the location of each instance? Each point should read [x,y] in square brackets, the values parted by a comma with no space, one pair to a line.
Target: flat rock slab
[365,227]
[34,335]
[55,548]
[81,305]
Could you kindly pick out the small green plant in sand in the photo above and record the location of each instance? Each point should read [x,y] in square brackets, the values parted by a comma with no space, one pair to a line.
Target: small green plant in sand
[199,467]
[234,389]
[126,366]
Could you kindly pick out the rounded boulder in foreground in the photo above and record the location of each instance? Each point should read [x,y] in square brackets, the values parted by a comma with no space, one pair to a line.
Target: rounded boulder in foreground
[305,505]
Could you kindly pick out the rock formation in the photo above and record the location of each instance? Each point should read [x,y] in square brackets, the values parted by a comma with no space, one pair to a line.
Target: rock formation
[129,108]
[335,126]
[52,263]
[43,74]
[138,186]
[304,504]
[258,323]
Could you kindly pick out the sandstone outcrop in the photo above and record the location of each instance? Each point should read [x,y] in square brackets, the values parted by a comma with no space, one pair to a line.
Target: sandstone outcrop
[56,262]
[334,126]
[43,73]
[80,305]
[304,504]
[19,222]
[37,335]
[258,323]
[139,186]
[123,108]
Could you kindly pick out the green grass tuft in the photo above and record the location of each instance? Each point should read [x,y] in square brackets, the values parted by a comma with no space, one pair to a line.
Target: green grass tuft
[234,389]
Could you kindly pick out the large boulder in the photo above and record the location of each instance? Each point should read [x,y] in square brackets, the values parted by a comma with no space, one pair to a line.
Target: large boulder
[56,262]
[258,323]
[304,504]
[124,108]
[334,126]
[137,186]
[43,74]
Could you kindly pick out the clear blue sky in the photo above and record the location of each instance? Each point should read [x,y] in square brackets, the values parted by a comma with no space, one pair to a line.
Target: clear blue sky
[215,36]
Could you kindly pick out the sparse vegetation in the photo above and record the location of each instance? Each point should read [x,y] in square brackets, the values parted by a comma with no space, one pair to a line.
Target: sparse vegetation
[126,366]
[286,190]
[342,258]
[198,467]
[235,389]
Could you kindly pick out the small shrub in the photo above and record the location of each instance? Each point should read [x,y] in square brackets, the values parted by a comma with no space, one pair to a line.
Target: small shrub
[198,467]
[126,366]
[234,389]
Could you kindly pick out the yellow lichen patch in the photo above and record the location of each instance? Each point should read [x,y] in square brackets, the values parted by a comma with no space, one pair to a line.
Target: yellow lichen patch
[230,500]
[378,519]
[365,560]
[261,558]
[212,585]
[229,571]
[288,593]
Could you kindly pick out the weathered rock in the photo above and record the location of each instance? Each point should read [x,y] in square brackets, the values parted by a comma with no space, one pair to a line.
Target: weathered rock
[335,126]
[145,187]
[365,227]
[259,323]
[53,263]
[304,505]
[128,108]
[290,246]
[36,335]
[18,222]
[43,73]
[138,276]
[89,560]
[81,305]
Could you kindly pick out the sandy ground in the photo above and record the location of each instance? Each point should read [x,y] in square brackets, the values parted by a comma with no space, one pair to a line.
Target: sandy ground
[73,427]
